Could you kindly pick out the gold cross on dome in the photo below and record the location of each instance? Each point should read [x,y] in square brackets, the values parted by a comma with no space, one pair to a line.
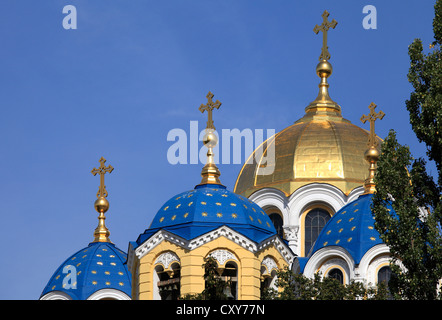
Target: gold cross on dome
[372,117]
[102,170]
[209,108]
[324,27]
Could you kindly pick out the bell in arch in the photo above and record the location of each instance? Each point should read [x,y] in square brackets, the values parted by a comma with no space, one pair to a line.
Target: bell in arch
[227,291]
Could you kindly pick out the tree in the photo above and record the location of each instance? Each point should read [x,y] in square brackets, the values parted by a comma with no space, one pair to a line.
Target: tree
[412,229]
[214,287]
[293,286]
[425,103]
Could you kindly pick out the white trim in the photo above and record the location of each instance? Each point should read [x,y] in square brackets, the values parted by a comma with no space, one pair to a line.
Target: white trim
[222,231]
[269,264]
[355,193]
[336,263]
[166,259]
[374,257]
[56,295]
[156,239]
[223,255]
[310,194]
[270,197]
[226,232]
[306,196]
[282,248]
[321,256]
[108,294]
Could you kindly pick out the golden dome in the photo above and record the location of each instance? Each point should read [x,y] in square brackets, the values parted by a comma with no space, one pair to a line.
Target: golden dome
[321,147]
[317,148]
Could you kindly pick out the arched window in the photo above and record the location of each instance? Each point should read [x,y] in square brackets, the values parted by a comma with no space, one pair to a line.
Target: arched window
[315,220]
[268,275]
[226,271]
[384,275]
[168,282]
[230,275]
[167,275]
[277,223]
[336,274]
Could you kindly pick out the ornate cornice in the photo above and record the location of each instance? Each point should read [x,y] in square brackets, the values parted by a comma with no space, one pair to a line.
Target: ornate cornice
[222,231]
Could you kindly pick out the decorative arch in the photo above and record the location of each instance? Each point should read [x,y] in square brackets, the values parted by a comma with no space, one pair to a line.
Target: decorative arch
[336,265]
[328,258]
[166,259]
[222,256]
[56,295]
[166,276]
[274,203]
[269,268]
[228,269]
[316,193]
[307,197]
[374,259]
[108,294]
[272,198]
[318,213]
[268,265]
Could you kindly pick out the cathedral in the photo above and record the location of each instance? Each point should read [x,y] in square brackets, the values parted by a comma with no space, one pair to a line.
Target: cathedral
[311,214]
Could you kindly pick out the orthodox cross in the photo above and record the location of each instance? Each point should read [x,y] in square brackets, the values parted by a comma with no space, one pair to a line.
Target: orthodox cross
[372,117]
[324,27]
[209,108]
[102,171]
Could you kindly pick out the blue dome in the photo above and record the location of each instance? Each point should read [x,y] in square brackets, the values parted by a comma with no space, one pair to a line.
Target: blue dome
[208,207]
[351,228]
[100,265]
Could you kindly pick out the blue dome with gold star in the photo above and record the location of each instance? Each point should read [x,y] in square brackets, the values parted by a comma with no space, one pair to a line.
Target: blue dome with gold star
[209,205]
[101,265]
[351,228]
[206,208]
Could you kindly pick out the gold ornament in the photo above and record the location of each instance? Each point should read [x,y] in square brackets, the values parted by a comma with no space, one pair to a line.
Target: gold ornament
[101,233]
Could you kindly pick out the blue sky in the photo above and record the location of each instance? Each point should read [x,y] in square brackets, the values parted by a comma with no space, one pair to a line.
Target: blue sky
[134,70]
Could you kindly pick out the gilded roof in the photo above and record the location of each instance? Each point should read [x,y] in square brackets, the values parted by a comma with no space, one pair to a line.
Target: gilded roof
[319,148]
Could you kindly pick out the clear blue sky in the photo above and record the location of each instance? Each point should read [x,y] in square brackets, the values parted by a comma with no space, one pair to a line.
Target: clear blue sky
[134,70]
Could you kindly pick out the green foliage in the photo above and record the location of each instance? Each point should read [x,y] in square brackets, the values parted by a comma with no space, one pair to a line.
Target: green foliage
[292,286]
[425,103]
[214,287]
[413,233]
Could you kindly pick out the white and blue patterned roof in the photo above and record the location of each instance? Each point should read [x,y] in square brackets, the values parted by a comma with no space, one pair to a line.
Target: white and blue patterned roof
[100,265]
[207,207]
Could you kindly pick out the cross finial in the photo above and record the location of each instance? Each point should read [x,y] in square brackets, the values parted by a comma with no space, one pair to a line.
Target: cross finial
[210,172]
[101,233]
[372,117]
[372,153]
[209,108]
[324,27]
[102,170]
